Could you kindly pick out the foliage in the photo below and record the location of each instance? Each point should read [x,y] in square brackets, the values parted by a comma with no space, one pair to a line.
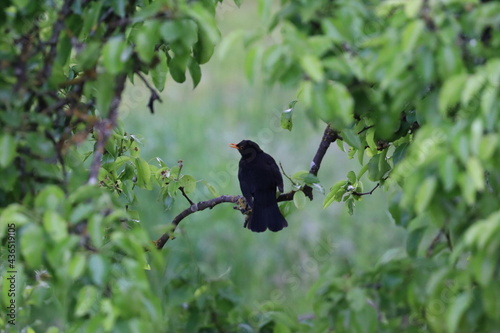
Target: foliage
[412,89]
[70,171]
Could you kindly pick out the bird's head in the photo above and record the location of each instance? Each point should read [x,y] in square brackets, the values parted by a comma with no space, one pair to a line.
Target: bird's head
[248,149]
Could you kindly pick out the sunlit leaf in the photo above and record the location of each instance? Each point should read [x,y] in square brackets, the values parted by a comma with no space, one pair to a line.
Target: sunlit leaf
[7,149]
[299,199]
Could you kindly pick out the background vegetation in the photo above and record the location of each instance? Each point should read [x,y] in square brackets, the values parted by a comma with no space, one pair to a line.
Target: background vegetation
[91,176]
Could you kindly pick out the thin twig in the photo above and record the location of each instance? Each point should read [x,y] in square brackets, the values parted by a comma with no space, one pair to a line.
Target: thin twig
[181,188]
[284,174]
[154,94]
[365,129]
[366,193]
[433,244]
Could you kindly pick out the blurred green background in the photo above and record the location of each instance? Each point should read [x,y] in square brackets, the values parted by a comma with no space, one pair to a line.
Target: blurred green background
[196,126]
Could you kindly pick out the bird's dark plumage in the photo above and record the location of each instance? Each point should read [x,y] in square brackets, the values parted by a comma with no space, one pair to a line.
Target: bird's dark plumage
[259,177]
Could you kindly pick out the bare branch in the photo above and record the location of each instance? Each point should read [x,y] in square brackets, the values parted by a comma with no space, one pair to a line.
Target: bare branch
[202,205]
[154,94]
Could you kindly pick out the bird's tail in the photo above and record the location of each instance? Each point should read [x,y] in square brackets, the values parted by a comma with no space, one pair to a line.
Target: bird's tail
[266,213]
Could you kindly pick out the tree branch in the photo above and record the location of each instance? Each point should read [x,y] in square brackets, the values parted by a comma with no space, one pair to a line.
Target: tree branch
[154,94]
[104,128]
[202,205]
[181,188]
[366,193]
[329,136]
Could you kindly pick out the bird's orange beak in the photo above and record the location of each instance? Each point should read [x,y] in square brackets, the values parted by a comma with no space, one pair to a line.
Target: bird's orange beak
[233,145]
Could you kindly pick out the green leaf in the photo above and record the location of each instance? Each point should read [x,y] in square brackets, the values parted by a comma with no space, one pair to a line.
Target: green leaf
[476,173]
[208,33]
[377,167]
[400,153]
[146,40]
[490,296]
[105,90]
[411,34]
[188,183]
[333,103]
[412,8]
[370,139]
[472,86]
[286,119]
[87,298]
[413,241]
[350,203]
[7,149]
[178,66]
[330,197]
[451,92]
[98,269]
[12,214]
[206,21]
[185,31]
[312,66]
[449,61]
[306,177]
[50,198]
[487,146]
[194,71]
[351,177]
[96,230]
[143,174]
[352,139]
[51,329]
[76,265]
[448,171]
[425,194]
[457,310]
[33,245]
[482,265]
[115,55]
[119,7]
[299,199]
[159,73]
[357,298]
[55,226]
[253,62]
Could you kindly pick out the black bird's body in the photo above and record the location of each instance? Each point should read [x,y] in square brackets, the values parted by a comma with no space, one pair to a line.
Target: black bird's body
[259,177]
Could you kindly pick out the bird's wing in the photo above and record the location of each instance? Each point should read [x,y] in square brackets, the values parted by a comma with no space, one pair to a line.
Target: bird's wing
[276,174]
[247,188]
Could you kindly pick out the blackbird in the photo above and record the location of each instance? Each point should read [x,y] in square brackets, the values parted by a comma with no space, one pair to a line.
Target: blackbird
[259,176]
